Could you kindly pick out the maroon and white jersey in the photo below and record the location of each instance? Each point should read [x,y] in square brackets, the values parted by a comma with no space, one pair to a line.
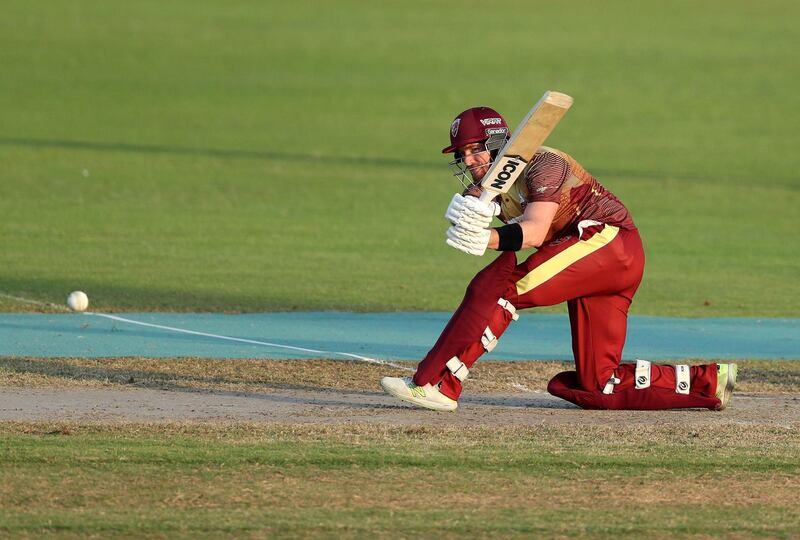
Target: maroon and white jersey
[554,176]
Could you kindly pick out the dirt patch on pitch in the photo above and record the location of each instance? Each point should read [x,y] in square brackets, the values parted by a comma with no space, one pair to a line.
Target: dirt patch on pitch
[316,406]
[335,392]
[256,375]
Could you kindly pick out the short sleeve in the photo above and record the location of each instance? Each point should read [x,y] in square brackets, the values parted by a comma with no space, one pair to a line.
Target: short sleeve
[545,177]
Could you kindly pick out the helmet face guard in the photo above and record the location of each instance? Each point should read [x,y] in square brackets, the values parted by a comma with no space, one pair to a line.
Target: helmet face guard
[463,173]
[476,125]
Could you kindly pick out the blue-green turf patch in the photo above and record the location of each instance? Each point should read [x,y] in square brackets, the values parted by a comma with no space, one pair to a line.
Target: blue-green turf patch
[392,336]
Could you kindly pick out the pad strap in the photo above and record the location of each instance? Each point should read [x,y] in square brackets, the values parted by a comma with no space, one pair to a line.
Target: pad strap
[642,374]
[683,381]
[508,306]
[458,368]
[609,387]
[488,340]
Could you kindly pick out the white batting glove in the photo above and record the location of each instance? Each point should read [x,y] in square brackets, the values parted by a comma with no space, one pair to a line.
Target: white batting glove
[470,213]
[469,241]
[468,221]
[485,209]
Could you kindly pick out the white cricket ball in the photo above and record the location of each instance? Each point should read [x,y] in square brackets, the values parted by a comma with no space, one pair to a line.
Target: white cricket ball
[77,301]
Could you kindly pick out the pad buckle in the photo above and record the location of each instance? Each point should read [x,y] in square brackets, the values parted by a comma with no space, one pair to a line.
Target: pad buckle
[612,382]
[458,368]
[683,380]
[642,374]
[488,340]
[508,306]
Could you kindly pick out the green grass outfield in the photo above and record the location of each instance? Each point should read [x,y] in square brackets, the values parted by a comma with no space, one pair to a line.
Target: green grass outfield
[271,156]
[258,156]
[190,481]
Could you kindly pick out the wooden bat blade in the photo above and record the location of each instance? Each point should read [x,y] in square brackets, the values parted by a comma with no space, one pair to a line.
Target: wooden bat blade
[537,125]
[524,142]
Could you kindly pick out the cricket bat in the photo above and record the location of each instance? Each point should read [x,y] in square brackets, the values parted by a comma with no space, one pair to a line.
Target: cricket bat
[526,139]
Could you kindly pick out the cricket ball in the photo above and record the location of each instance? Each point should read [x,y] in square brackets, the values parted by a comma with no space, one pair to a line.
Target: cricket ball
[77,301]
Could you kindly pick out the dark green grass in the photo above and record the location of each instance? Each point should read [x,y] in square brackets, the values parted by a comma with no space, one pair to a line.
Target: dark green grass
[357,481]
[271,156]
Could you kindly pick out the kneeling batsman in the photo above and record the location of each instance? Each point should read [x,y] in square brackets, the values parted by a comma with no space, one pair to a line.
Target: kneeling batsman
[590,256]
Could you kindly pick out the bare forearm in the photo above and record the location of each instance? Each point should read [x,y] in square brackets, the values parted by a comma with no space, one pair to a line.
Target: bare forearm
[533,233]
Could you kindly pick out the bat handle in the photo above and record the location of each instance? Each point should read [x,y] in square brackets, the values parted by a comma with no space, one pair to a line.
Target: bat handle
[487,196]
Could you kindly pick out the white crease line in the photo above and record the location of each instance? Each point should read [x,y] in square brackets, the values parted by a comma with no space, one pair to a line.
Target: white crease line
[251,341]
[215,336]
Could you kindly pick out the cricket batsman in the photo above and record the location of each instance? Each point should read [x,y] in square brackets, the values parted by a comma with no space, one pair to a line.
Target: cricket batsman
[588,254]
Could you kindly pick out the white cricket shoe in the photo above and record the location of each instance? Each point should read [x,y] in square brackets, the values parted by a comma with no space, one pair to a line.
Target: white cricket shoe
[427,396]
[726,380]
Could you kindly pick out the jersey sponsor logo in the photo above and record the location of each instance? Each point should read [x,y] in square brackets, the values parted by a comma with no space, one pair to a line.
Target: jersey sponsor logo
[491,121]
[454,127]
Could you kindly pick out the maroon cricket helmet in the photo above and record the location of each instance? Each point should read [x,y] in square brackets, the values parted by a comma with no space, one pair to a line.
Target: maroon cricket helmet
[475,125]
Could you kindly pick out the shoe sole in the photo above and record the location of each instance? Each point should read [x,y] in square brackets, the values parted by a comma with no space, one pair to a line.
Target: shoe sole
[727,394]
[420,403]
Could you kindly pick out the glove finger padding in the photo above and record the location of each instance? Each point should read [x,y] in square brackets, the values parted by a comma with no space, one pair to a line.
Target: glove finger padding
[488,209]
[463,248]
[476,209]
[466,249]
[467,220]
[472,242]
[455,207]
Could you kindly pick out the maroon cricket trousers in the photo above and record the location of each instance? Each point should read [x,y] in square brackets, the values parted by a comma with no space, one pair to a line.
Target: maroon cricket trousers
[596,271]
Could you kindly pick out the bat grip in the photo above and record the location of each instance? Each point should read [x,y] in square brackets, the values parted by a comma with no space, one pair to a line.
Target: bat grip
[487,196]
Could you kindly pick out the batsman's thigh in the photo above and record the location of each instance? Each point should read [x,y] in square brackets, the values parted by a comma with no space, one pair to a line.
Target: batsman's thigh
[573,268]
[493,280]
[552,275]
